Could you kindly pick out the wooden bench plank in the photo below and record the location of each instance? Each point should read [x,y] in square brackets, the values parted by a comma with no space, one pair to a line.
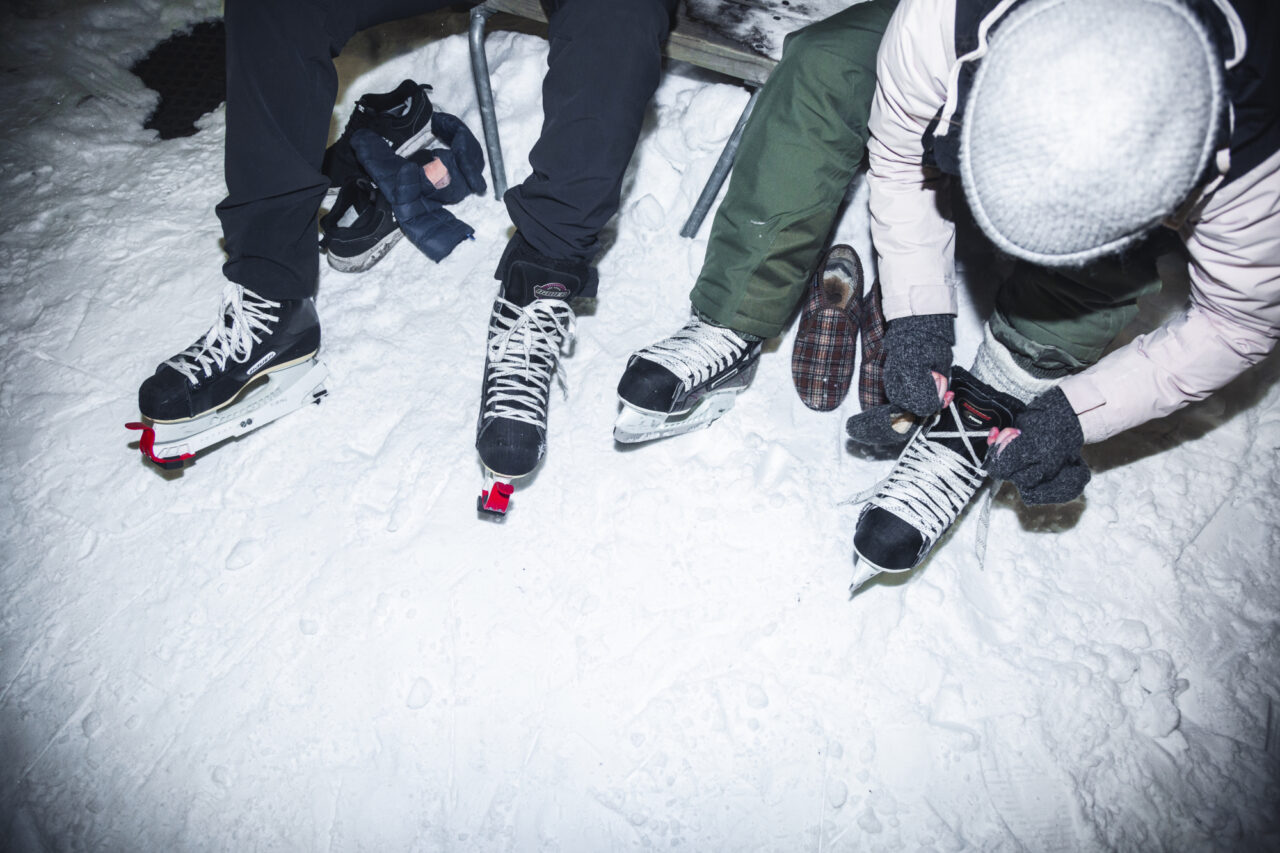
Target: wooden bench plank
[530,9]
[762,25]
[692,40]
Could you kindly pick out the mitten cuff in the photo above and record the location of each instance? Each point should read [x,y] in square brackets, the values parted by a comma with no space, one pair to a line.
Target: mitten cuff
[907,330]
[1054,407]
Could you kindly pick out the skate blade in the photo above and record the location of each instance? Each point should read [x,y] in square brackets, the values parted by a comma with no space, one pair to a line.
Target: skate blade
[634,426]
[864,571]
[169,445]
[495,496]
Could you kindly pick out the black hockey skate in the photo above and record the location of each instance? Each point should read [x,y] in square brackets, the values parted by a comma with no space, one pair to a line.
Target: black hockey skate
[937,474]
[360,228]
[254,365]
[401,116]
[684,382]
[530,325]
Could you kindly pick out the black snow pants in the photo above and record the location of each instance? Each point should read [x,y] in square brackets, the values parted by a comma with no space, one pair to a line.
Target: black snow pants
[603,67]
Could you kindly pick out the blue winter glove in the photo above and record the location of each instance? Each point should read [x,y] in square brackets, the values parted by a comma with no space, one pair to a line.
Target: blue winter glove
[416,201]
[1041,455]
[917,368]
[468,157]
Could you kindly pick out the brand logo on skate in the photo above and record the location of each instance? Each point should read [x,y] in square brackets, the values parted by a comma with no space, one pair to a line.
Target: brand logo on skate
[551,290]
[976,417]
[261,363]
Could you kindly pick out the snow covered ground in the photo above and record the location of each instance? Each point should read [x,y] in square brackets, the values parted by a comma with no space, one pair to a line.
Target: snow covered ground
[308,641]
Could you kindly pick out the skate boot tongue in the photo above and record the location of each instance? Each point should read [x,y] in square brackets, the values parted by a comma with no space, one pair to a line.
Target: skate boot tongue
[978,408]
[527,282]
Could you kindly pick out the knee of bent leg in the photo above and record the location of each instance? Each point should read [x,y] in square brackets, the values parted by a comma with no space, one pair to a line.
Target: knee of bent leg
[828,67]
[839,48]
[640,17]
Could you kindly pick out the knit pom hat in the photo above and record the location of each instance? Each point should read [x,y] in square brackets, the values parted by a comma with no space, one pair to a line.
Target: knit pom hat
[1087,123]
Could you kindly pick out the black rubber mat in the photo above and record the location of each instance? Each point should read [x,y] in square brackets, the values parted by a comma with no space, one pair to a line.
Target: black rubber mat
[188,69]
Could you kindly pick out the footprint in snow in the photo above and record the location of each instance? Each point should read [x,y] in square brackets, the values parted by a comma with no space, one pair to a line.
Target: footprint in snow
[245,553]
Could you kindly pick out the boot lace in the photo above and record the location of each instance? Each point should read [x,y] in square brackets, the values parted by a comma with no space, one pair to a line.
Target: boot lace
[696,352]
[524,348]
[930,483]
[246,317]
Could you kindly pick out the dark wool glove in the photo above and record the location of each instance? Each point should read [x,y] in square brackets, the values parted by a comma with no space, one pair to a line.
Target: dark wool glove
[1044,461]
[914,348]
[881,427]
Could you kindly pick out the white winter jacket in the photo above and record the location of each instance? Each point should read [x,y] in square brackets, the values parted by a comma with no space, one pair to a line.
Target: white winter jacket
[1233,237]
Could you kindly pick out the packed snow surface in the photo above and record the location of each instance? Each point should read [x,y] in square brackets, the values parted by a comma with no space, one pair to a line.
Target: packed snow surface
[308,641]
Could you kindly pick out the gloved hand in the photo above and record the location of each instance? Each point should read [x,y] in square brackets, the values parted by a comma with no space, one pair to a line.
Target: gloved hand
[1041,455]
[468,158]
[917,370]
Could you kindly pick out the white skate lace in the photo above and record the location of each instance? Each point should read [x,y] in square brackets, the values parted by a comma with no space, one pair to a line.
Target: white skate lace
[930,483]
[523,355]
[696,352]
[244,316]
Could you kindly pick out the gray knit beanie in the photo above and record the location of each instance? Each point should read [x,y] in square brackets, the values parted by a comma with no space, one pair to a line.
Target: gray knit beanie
[1088,122]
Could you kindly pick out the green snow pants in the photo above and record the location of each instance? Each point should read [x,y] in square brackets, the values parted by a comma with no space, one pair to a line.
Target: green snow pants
[800,149]
[1058,322]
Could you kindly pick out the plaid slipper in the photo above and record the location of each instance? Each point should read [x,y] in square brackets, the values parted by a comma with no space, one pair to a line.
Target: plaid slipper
[871,376]
[826,346]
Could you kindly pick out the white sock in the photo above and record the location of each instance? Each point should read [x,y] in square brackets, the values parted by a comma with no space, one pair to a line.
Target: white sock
[995,365]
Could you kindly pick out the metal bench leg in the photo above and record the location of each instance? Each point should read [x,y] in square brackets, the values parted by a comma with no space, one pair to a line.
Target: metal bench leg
[484,94]
[719,173]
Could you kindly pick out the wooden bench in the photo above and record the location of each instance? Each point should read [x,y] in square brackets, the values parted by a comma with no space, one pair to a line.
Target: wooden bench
[692,40]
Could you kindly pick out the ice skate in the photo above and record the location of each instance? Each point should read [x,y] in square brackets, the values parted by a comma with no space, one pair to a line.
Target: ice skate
[360,228]
[525,343]
[257,363]
[937,474]
[684,382]
[530,325]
